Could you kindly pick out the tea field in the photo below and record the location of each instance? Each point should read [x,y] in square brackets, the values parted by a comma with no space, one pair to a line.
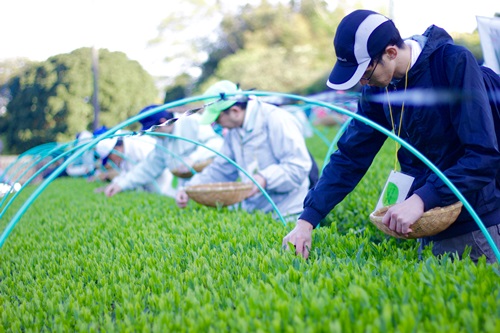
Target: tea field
[80,262]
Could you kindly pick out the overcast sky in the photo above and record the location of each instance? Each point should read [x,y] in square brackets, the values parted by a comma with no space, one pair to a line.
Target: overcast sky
[38,29]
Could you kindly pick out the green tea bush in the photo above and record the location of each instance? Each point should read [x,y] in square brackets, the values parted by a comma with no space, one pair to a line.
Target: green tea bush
[80,262]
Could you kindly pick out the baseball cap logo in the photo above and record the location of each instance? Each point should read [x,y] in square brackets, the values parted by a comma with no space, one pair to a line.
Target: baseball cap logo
[342,59]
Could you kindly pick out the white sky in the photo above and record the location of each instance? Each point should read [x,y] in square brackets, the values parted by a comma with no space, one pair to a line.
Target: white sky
[38,29]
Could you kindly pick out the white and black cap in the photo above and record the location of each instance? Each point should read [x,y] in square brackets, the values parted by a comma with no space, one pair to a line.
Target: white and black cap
[360,36]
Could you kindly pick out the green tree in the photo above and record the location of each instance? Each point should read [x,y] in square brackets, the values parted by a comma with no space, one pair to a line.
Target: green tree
[177,90]
[270,45]
[51,100]
[470,41]
[285,47]
[184,32]
[8,69]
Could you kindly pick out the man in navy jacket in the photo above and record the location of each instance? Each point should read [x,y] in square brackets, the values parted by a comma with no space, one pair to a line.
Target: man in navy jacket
[459,139]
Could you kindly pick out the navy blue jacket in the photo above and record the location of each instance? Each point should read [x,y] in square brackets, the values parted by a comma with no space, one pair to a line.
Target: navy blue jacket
[460,140]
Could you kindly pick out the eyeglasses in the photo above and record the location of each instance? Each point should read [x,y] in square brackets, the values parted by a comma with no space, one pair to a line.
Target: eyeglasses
[367,79]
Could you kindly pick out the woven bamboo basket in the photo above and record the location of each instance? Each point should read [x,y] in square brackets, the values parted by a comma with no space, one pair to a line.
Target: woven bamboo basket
[198,167]
[431,223]
[219,194]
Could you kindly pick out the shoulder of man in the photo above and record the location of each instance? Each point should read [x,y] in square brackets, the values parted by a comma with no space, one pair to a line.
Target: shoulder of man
[188,122]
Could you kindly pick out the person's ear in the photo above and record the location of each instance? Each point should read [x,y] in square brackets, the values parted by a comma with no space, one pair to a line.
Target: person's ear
[235,109]
[391,51]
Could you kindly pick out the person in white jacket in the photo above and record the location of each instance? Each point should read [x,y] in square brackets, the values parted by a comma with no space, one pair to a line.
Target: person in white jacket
[266,141]
[84,165]
[168,152]
[120,154]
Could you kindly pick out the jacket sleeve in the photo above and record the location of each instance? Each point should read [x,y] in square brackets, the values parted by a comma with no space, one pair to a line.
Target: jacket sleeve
[209,138]
[220,170]
[289,148]
[357,148]
[138,147]
[83,166]
[473,123]
[144,172]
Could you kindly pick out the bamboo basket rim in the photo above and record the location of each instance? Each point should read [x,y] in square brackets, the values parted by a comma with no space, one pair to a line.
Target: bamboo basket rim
[431,223]
[198,167]
[219,194]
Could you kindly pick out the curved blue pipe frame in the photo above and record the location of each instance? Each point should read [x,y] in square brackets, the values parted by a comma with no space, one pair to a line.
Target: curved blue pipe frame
[356,116]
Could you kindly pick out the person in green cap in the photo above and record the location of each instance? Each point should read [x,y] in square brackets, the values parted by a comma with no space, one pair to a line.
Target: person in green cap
[263,139]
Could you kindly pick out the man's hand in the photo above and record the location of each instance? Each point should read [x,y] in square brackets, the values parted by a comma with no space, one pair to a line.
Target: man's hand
[262,182]
[103,176]
[183,167]
[112,189]
[300,237]
[400,217]
[100,189]
[181,198]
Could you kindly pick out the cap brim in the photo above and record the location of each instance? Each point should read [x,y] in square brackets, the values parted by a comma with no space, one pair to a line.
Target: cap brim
[147,125]
[105,146]
[208,116]
[344,77]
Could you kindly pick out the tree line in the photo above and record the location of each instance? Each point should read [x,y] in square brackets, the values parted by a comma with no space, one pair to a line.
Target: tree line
[283,47]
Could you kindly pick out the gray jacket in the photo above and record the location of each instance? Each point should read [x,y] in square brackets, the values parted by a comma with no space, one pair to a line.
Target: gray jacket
[269,143]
